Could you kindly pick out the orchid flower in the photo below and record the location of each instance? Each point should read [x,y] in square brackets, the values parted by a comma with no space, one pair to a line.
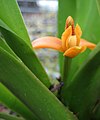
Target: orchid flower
[70,43]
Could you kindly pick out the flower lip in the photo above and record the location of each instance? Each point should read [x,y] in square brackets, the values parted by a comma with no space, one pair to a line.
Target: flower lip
[74,51]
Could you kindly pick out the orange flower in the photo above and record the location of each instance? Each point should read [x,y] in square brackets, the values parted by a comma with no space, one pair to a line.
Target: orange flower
[70,43]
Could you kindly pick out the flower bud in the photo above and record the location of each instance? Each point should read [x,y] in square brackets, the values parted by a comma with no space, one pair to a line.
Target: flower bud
[70,22]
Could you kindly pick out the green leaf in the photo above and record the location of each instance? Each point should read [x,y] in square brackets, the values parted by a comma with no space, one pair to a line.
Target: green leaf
[84,90]
[26,54]
[11,20]
[87,16]
[11,16]
[4,116]
[8,99]
[5,46]
[22,82]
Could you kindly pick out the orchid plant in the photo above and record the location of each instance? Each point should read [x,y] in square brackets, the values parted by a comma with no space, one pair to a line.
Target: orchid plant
[25,87]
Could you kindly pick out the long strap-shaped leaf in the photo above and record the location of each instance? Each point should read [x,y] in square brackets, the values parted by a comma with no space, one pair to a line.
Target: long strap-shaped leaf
[11,19]
[84,18]
[25,53]
[21,81]
[84,91]
[87,16]
[5,46]
[7,98]
[11,16]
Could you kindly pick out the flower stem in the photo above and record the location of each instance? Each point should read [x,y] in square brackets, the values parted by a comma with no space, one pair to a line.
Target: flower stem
[66,69]
[65,73]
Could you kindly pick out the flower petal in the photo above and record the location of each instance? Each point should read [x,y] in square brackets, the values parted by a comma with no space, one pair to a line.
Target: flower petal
[66,34]
[48,42]
[88,44]
[78,33]
[74,51]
